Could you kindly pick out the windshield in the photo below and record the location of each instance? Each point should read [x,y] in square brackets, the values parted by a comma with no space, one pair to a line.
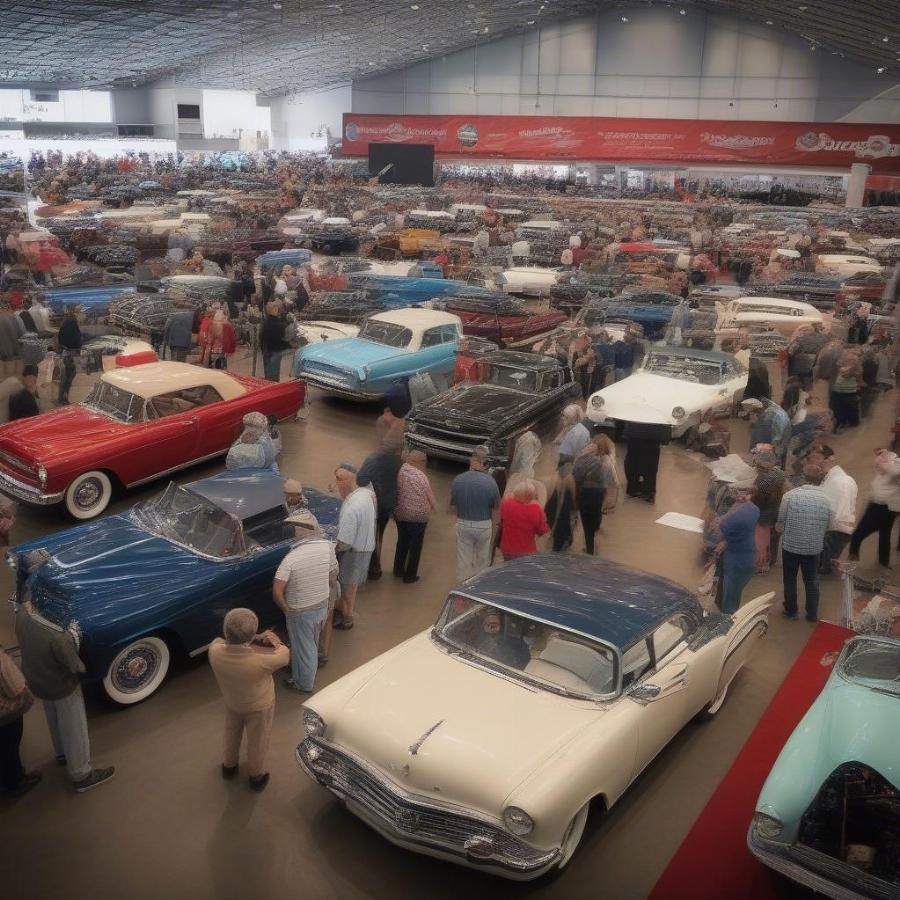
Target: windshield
[188,519]
[507,376]
[386,333]
[546,656]
[112,401]
[874,664]
[684,368]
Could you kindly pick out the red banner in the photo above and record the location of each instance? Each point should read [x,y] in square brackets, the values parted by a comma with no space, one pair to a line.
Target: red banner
[831,145]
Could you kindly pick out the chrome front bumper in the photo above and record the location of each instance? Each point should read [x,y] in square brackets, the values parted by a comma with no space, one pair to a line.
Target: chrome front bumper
[28,493]
[418,824]
[333,386]
[824,874]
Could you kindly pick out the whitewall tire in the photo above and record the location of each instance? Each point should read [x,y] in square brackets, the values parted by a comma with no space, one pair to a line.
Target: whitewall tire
[88,495]
[137,671]
[574,833]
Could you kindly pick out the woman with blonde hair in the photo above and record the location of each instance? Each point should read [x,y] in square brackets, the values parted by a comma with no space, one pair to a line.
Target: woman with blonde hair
[596,485]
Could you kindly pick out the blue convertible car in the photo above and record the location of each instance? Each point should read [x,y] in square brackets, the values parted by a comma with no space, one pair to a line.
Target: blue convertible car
[390,347]
[138,587]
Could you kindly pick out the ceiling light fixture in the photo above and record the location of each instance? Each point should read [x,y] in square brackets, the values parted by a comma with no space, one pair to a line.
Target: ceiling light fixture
[276,6]
[682,12]
[624,18]
[485,29]
[885,39]
[530,22]
[414,6]
[769,22]
[881,69]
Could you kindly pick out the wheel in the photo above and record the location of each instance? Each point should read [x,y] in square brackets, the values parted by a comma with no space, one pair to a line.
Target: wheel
[573,835]
[137,671]
[88,495]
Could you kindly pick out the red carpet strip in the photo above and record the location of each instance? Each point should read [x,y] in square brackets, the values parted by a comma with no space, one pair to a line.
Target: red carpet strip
[713,861]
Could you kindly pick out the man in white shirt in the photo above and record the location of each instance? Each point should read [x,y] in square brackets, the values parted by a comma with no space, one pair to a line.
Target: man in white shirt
[355,540]
[303,583]
[842,492]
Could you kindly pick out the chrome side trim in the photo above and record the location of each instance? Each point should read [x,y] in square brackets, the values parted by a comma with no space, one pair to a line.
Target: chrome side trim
[193,462]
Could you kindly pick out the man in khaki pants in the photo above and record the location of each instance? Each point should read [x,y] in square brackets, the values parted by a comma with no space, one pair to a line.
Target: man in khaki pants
[243,663]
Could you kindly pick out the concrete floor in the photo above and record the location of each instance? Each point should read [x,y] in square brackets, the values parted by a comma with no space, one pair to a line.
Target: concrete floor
[168,827]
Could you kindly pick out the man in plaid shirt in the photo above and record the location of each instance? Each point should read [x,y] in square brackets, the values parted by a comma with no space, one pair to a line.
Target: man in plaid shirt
[803,519]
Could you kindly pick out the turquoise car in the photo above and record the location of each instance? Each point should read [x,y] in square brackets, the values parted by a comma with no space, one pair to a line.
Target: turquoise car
[390,348]
[829,812]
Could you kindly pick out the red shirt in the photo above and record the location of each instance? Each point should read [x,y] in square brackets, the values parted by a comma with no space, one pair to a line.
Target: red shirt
[520,524]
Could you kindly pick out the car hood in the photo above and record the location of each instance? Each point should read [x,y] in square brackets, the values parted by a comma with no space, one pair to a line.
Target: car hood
[58,432]
[91,576]
[472,404]
[644,397]
[350,354]
[477,735]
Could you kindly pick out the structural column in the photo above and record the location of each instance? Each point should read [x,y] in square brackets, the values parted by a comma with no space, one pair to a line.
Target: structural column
[856,187]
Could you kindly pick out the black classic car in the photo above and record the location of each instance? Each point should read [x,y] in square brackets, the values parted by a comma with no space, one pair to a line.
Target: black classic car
[517,392]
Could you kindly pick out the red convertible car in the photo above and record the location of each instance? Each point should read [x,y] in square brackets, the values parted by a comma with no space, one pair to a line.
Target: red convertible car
[137,424]
[504,321]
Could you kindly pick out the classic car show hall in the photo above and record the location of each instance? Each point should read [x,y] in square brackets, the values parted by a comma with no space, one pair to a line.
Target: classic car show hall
[450,449]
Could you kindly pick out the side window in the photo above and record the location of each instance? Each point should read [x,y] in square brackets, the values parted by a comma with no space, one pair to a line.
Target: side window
[183,401]
[432,337]
[635,661]
[550,380]
[670,634]
[796,312]
[451,333]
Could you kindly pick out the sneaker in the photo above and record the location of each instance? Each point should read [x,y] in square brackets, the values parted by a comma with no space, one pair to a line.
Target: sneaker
[787,615]
[29,780]
[228,772]
[95,779]
[61,760]
[259,782]
[290,683]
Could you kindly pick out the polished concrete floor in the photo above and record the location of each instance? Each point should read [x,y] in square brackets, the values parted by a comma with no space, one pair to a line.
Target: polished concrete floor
[168,827]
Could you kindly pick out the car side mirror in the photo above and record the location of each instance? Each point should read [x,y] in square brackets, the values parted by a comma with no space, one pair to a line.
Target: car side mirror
[669,680]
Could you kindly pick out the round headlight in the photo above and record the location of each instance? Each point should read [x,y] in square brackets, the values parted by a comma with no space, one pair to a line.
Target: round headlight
[768,825]
[42,475]
[314,723]
[597,401]
[517,821]
[678,412]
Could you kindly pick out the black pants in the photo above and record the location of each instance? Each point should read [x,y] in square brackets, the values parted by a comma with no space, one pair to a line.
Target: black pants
[835,543]
[66,377]
[11,771]
[846,409]
[590,506]
[410,536]
[641,464]
[807,564]
[381,521]
[877,517]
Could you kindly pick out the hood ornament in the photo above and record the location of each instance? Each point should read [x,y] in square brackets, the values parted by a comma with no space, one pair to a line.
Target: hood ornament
[414,748]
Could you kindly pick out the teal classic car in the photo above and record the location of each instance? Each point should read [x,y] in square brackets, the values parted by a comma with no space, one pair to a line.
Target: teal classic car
[829,812]
[390,348]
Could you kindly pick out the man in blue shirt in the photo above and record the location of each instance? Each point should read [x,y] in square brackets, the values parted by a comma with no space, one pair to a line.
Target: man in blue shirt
[738,548]
[624,354]
[476,498]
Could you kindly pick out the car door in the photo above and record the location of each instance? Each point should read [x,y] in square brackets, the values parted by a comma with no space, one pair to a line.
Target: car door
[169,438]
[437,351]
[217,420]
[749,624]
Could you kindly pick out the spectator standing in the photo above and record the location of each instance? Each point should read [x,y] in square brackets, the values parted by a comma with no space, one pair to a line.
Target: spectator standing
[769,424]
[522,521]
[596,485]
[842,492]
[803,519]
[8,388]
[379,470]
[770,485]
[574,436]
[15,701]
[355,541]
[415,504]
[69,341]
[845,395]
[882,508]
[624,351]
[178,333]
[52,667]
[738,547]
[24,404]
[642,459]
[303,583]
[243,662]
[272,342]
[476,498]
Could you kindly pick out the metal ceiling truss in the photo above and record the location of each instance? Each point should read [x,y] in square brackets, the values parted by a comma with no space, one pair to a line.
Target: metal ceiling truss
[280,46]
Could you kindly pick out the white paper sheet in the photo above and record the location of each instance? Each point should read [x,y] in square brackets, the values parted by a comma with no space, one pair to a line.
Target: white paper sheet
[680,520]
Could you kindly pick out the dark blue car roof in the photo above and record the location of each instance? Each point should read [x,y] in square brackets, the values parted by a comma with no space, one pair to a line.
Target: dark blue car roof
[594,597]
[243,493]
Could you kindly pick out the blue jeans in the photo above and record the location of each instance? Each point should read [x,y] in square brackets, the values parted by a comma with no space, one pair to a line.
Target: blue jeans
[272,366]
[808,565]
[303,626]
[67,722]
[734,580]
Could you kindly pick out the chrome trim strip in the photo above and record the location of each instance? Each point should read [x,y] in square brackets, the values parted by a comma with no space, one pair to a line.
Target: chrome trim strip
[177,468]
[91,559]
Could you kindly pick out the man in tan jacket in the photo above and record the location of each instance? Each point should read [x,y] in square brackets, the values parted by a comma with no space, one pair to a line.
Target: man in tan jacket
[243,663]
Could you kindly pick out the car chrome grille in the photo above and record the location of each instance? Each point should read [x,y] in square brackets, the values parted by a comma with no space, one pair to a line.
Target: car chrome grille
[434,436]
[412,819]
[332,373]
[16,463]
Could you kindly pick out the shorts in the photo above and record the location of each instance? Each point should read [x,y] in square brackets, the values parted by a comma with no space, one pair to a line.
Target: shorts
[354,566]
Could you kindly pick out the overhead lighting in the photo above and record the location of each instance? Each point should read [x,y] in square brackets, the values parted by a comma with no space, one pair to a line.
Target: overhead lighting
[486,29]
[803,8]
[530,22]
[881,69]
[885,39]
[414,6]
[624,18]
[769,22]
[276,6]
[682,12]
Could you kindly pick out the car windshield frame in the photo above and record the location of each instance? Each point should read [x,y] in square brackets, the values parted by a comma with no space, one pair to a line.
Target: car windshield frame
[683,363]
[114,402]
[867,650]
[529,381]
[470,653]
[388,334]
[173,516]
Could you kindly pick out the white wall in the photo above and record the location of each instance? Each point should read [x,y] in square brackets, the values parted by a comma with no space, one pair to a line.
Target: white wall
[72,106]
[658,64]
[226,114]
[298,119]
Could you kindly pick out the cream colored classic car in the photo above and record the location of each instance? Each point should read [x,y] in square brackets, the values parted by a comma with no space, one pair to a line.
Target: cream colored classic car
[528,280]
[544,689]
[783,315]
[846,264]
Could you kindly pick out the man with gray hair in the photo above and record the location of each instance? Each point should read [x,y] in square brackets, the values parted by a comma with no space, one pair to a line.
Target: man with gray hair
[355,540]
[476,498]
[243,663]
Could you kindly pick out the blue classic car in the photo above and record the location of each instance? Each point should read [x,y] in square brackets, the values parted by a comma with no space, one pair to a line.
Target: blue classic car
[829,812]
[137,588]
[401,290]
[390,347]
[651,309]
[276,259]
[94,300]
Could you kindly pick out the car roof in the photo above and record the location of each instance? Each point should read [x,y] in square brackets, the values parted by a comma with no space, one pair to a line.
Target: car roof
[716,356]
[594,597]
[531,361]
[773,301]
[417,318]
[152,379]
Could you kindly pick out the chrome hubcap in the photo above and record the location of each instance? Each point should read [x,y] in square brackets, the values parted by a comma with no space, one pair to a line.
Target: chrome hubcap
[135,668]
[88,493]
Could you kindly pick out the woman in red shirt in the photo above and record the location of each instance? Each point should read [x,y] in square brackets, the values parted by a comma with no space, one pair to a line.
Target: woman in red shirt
[522,520]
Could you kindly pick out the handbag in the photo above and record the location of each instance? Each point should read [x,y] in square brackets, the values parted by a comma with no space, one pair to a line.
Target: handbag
[15,698]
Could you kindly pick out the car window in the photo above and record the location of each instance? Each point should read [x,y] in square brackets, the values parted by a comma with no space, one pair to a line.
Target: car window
[550,380]
[387,333]
[670,634]
[182,401]
[113,401]
[433,337]
[635,662]
[451,333]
